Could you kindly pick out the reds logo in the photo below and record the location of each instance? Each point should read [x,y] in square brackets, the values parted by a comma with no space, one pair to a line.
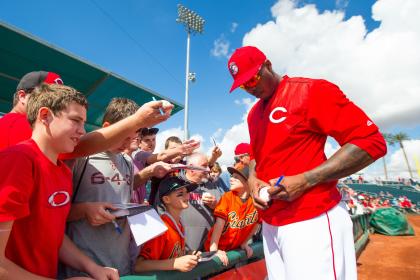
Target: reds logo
[58,81]
[59,198]
[278,120]
[233,68]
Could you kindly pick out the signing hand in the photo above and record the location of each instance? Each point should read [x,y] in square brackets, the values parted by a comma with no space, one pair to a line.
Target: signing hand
[290,188]
[186,263]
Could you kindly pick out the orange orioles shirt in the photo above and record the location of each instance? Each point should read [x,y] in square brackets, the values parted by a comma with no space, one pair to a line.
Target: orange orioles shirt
[166,246]
[240,216]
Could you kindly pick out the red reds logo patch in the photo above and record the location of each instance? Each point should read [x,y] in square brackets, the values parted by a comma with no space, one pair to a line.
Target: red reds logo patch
[278,115]
[233,68]
[59,198]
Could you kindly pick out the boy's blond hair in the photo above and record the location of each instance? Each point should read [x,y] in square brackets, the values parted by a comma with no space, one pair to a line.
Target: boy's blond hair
[119,108]
[54,97]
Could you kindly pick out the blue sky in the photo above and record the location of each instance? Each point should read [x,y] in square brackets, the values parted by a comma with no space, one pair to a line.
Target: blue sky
[141,41]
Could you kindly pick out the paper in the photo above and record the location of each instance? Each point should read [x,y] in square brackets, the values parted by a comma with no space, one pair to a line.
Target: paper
[129,209]
[206,256]
[146,226]
[191,167]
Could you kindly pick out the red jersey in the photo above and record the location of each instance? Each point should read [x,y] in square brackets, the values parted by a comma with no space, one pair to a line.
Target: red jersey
[170,244]
[15,128]
[288,135]
[35,194]
[240,217]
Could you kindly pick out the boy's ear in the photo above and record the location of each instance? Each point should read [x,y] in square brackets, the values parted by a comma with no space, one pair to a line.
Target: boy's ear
[105,124]
[45,115]
[165,199]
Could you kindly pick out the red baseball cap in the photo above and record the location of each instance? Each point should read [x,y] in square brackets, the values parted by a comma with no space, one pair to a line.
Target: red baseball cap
[242,148]
[34,79]
[244,64]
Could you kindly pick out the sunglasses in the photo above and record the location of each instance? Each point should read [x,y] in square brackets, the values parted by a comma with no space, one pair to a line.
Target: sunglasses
[253,82]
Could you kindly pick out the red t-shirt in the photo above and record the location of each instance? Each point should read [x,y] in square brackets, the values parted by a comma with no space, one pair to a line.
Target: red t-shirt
[35,194]
[288,135]
[15,128]
[167,245]
[241,218]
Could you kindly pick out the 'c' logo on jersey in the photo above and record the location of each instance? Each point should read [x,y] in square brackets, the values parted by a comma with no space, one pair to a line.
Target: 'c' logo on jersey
[59,198]
[281,118]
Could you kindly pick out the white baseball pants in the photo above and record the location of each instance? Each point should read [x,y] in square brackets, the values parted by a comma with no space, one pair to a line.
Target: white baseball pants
[320,248]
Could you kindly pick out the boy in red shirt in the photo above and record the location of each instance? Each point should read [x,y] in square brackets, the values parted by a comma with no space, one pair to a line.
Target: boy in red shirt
[35,191]
[236,218]
[167,251]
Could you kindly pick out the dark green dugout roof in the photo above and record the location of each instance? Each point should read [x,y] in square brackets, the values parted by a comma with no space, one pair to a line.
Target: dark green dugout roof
[21,53]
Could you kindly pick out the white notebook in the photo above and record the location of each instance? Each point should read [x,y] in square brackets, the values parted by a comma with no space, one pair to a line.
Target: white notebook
[146,226]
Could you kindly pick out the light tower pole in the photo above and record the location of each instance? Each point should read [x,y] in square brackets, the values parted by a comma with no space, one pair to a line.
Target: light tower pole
[193,24]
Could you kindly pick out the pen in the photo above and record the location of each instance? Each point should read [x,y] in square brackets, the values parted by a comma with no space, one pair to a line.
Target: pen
[117,227]
[279,180]
[160,109]
[214,142]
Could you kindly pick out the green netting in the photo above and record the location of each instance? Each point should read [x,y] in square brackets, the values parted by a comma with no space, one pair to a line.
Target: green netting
[390,221]
[21,53]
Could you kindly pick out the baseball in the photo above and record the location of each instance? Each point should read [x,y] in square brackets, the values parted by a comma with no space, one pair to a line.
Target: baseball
[264,194]
[166,104]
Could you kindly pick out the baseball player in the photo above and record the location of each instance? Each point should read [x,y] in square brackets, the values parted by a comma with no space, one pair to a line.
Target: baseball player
[236,218]
[307,232]
[167,251]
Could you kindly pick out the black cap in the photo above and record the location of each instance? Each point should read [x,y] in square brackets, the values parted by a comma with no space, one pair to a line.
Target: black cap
[243,172]
[149,131]
[172,183]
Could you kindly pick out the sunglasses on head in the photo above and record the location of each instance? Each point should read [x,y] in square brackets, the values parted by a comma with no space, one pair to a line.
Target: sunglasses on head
[253,82]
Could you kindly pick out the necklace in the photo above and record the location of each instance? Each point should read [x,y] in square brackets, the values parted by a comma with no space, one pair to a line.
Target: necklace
[175,223]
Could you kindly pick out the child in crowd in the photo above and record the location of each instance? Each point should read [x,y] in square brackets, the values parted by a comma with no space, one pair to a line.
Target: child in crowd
[36,187]
[167,251]
[236,218]
[99,181]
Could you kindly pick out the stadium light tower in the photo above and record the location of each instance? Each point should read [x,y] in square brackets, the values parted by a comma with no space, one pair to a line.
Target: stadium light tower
[193,24]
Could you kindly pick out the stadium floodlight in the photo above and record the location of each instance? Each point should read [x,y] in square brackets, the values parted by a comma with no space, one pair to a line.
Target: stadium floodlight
[193,24]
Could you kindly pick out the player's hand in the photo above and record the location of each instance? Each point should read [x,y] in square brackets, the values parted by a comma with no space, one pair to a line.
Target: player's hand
[255,185]
[247,249]
[96,213]
[104,273]
[223,257]
[160,169]
[290,188]
[209,200]
[186,263]
[149,114]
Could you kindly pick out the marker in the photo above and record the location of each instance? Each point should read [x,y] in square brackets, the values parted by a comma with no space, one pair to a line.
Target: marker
[279,180]
[160,109]
[117,227]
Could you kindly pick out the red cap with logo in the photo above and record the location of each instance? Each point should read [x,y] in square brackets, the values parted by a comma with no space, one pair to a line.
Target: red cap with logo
[242,148]
[34,79]
[244,64]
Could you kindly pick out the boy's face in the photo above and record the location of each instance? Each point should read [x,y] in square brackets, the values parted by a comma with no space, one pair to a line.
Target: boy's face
[173,145]
[148,143]
[178,199]
[66,127]
[237,183]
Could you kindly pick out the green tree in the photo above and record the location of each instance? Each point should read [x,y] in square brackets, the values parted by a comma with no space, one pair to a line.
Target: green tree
[388,139]
[399,138]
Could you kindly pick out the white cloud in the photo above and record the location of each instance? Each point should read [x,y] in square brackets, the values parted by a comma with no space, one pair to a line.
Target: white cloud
[220,47]
[341,4]
[233,27]
[378,70]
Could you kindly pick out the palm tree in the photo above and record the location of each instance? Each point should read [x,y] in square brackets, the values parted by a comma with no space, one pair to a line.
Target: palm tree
[388,139]
[399,138]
